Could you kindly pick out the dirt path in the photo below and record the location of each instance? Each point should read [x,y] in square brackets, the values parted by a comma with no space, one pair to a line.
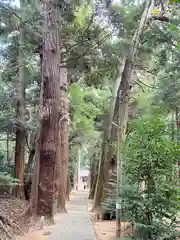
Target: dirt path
[76,224]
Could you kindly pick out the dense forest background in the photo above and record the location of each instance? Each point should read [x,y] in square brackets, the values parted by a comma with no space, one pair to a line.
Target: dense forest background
[97,81]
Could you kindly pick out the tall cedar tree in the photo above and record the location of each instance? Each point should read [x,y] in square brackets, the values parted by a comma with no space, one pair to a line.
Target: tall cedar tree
[50,109]
[20,115]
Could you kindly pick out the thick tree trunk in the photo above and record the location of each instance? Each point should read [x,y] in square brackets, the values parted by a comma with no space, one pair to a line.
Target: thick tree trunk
[49,131]
[64,142]
[104,161]
[20,128]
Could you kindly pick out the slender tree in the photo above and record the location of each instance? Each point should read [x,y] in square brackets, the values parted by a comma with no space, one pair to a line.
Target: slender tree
[123,102]
[20,114]
[104,162]
[63,134]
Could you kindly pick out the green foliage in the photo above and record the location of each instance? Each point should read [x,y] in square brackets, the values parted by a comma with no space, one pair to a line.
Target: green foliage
[96,39]
[151,159]
[6,180]
[174,1]
[86,104]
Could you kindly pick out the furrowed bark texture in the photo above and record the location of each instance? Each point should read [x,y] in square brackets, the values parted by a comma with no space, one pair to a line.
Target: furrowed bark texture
[20,128]
[50,110]
[64,141]
[104,162]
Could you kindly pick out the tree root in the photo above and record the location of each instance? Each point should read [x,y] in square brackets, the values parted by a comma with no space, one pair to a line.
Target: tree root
[27,211]
[5,221]
[6,231]
[97,213]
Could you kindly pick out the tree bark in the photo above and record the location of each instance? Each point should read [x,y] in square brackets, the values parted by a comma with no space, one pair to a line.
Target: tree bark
[35,179]
[93,178]
[30,160]
[20,128]
[92,170]
[100,179]
[7,152]
[68,190]
[104,161]
[123,102]
[177,115]
[49,114]
[32,151]
[64,141]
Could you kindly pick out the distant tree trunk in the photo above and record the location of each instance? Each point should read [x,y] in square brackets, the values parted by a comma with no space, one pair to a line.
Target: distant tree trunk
[28,173]
[7,151]
[30,160]
[35,179]
[173,126]
[32,150]
[100,179]
[68,188]
[71,178]
[64,141]
[49,114]
[177,114]
[93,179]
[20,128]
[92,170]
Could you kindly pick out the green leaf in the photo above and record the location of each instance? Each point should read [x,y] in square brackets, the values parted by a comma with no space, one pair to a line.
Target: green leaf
[174,1]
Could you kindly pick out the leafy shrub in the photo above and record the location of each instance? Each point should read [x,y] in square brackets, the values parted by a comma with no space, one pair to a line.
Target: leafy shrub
[109,205]
[150,158]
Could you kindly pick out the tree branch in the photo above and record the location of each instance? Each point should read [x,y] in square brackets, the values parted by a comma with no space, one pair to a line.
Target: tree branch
[87,50]
[10,10]
[89,24]
[138,80]
[22,23]
[160,18]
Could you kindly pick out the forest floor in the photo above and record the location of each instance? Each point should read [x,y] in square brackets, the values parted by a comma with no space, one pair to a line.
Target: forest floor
[76,224]
[106,229]
[12,220]
[43,234]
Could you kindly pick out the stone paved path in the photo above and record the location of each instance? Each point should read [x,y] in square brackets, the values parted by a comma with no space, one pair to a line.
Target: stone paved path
[76,224]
